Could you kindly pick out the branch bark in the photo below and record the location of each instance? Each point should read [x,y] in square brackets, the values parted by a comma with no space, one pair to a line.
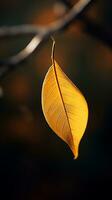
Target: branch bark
[42,33]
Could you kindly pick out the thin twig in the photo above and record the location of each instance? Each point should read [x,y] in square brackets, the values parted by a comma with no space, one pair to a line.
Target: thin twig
[90,26]
[20,30]
[42,34]
[9,64]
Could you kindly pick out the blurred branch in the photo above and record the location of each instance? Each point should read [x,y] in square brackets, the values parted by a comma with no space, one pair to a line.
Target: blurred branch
[9,64]
[42,33]
[19,30]
[91,27]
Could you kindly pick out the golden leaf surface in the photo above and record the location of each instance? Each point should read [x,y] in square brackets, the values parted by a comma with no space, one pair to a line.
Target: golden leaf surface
[64,107]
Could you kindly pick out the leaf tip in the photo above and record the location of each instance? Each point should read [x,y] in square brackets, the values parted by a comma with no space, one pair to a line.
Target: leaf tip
[75,153]
[75,157]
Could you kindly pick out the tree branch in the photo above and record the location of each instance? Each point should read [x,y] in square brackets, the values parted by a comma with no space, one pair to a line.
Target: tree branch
[91,27]
[20,30]
[42,33]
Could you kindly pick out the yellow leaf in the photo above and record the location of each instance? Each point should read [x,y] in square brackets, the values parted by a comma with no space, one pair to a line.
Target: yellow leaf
[64,107]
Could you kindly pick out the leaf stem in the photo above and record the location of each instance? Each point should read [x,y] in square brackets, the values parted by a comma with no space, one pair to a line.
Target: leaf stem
[53,49]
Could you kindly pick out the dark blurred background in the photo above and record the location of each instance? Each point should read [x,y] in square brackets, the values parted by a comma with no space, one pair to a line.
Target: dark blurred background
[34,162]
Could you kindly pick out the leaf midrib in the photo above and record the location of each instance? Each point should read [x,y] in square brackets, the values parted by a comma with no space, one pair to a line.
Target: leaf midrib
[58,85]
